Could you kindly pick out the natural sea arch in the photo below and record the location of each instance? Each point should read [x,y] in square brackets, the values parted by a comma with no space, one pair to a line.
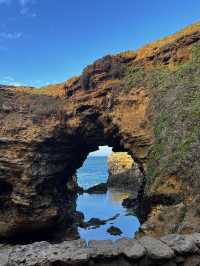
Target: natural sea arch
[45,139]
[101,206]
[132,102]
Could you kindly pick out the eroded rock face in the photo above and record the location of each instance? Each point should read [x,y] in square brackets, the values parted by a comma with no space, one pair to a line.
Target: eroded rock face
[119,162]
[125,101]
[124,173]
[43,140]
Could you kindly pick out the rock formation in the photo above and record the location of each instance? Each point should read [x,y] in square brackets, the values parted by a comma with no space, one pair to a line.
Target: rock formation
[119,162]
[145,103]
[170,250]
[124,174]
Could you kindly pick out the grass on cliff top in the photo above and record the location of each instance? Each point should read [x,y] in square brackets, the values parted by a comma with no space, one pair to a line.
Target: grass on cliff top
[176,108]
[152,48]
[116,69]
[50,90]
[149,49]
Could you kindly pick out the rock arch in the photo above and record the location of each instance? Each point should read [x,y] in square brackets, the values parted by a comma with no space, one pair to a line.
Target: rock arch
[44,139]
[46,135]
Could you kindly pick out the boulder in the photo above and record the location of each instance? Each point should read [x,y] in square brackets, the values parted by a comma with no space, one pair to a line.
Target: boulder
[43,253]
[156,249]
[131,248]
[182,244]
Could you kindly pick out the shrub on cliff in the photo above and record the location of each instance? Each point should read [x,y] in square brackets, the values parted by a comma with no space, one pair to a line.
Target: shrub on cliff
[175,96]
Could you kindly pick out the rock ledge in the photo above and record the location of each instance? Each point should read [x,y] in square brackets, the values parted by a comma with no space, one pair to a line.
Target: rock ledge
[145,251]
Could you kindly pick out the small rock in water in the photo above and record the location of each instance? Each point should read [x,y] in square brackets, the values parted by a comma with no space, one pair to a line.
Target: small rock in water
[97,189]
[113,218]
[115,231]
[94,223]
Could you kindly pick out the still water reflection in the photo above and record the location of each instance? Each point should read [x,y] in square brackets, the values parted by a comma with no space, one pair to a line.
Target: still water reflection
[105,206]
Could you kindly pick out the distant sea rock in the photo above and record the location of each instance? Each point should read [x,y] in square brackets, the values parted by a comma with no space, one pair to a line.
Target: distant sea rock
[99,189]
[124,172]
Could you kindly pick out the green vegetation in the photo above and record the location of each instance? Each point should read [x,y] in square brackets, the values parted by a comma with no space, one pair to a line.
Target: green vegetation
[136,77]
[176,108]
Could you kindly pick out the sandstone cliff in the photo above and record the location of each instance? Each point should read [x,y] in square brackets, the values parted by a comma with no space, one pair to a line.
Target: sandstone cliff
[119,162]
[124,174]
[144,102]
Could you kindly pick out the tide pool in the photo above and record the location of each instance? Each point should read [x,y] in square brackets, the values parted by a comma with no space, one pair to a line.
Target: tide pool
[103,206]
[106,206]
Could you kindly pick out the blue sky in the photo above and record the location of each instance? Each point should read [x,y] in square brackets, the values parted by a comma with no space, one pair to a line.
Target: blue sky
[47,41]
[103,151]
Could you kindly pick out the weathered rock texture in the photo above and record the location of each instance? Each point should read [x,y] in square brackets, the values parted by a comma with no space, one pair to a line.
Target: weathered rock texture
[44,139]
[170,250]
[119,162]
[144,102]
[124,173]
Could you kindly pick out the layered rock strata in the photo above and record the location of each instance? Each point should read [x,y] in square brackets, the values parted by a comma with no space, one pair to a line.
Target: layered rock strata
[124,174]
[119,162]
[145,103]
[44,139]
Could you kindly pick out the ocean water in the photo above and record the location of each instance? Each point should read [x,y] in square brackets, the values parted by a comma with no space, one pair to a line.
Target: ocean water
[93,171]
[103,206]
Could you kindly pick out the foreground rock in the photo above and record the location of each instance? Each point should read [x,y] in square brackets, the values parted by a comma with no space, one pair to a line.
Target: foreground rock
[124,252]
[182,244]
[156,249]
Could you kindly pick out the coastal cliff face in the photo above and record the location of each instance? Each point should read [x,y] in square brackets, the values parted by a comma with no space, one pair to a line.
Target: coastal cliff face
[144,102]
[44,139]
[119,162]
[124,173]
